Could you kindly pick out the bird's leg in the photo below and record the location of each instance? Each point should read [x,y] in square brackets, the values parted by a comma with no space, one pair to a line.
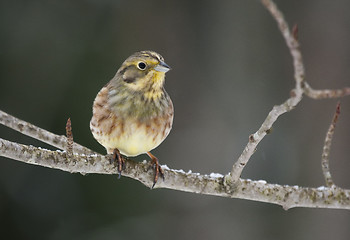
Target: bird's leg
[120,161]
[158,170]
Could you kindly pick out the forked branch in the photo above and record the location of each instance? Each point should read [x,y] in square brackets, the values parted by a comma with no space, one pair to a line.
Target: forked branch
[301,88]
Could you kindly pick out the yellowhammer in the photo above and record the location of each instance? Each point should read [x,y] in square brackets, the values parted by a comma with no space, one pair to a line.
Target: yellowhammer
[133,113]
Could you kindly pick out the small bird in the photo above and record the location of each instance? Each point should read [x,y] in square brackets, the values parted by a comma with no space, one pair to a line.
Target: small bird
[132,113]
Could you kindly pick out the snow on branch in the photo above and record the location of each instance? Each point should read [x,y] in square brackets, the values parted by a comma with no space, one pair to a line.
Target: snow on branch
[78,159]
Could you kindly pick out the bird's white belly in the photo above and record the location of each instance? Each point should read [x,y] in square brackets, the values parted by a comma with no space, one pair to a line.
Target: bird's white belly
[135,139]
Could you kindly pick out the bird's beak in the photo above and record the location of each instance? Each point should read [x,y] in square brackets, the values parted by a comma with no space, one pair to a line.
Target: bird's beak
[162,67]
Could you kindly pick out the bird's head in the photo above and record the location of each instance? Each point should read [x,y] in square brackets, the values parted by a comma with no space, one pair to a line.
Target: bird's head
[143,71]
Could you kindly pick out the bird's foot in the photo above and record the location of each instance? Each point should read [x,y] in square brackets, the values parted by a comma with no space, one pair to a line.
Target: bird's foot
[119,160]
[158,171]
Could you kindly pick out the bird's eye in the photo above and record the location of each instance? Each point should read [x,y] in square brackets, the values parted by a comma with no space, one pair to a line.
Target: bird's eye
[141,65]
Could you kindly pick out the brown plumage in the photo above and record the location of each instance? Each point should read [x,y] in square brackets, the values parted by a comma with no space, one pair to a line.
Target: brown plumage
[133,113]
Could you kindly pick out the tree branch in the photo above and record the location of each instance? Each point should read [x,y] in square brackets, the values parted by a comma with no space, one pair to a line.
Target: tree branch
[41,134]
[213,184]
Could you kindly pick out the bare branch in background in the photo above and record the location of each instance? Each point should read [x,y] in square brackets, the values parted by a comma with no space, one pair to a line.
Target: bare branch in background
[301,87]
[295,98]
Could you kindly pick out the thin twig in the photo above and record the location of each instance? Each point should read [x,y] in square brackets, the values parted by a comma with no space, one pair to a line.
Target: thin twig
[39,133]
[325,93]
[295,32]
[290,39]
[327,148]
[70,140]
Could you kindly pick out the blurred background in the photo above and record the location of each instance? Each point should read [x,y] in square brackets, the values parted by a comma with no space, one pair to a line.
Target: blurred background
[230,66]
